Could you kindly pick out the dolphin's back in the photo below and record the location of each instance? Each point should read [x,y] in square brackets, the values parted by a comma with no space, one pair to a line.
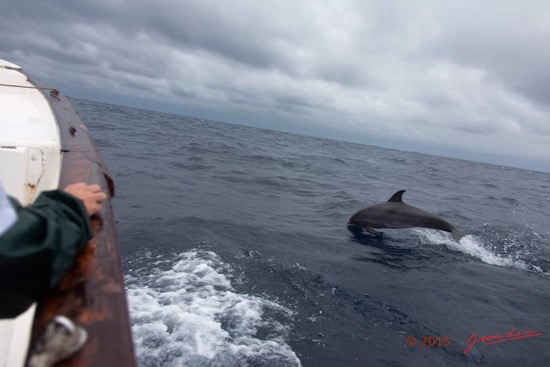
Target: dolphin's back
[398,215]
[420,218]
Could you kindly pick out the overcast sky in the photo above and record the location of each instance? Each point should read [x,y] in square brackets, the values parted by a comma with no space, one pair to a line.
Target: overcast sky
[469,79]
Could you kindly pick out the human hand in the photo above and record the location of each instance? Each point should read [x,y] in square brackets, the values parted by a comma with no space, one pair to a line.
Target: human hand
[91,195]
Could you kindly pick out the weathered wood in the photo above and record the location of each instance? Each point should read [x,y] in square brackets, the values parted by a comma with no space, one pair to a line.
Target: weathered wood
[93,292]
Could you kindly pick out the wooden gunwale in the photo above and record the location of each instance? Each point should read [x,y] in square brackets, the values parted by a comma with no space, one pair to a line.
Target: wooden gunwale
[92,293]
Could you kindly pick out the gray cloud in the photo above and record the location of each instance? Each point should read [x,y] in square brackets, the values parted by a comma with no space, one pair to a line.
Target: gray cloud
[432,76]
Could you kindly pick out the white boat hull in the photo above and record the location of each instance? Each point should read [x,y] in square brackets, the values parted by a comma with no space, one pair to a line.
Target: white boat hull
[30,143]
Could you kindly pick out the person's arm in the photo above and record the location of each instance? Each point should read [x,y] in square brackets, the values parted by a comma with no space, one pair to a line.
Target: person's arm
[37,251]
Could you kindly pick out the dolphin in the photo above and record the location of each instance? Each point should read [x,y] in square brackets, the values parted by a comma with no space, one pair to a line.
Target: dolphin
[396,214]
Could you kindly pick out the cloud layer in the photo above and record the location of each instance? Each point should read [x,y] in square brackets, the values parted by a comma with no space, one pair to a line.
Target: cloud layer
[463,78]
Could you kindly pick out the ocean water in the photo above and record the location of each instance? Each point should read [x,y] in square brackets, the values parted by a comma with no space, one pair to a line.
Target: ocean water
[236,251]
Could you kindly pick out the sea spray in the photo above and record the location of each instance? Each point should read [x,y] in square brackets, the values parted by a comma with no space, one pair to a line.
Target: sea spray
[190,315]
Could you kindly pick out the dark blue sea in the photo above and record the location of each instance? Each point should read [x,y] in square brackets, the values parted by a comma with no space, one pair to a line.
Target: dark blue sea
[236,251]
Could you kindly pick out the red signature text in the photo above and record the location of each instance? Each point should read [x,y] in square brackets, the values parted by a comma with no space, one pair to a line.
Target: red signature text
[499,338]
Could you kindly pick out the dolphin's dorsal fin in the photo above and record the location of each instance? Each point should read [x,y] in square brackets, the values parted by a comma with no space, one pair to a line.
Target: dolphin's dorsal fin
[397,197]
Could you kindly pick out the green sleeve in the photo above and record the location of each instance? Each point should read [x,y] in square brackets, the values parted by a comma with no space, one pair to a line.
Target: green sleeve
[37,251]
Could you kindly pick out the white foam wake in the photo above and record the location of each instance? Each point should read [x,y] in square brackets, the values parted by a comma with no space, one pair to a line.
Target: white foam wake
[470,245]
[190,315]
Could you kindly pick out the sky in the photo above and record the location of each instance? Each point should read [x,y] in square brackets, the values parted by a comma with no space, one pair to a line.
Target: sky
[465,79]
